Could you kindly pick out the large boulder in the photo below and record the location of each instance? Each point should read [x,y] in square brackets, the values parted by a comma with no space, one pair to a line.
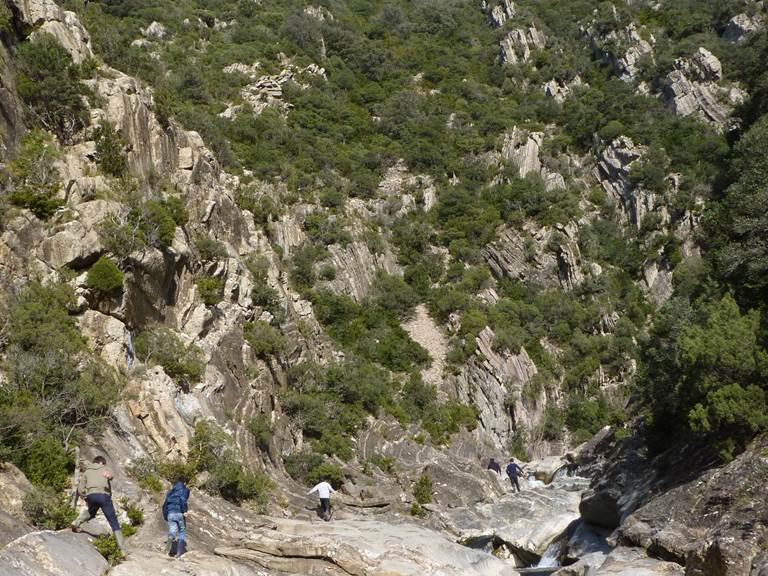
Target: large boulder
[51,554]
[526,522]
[13,487]
[363,548]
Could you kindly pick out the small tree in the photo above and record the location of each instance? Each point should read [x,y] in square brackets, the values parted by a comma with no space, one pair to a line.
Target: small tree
[110,150]
[105,277]
[32,178]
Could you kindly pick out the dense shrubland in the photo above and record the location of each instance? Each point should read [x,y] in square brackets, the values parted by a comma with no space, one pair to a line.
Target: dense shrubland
[420,81]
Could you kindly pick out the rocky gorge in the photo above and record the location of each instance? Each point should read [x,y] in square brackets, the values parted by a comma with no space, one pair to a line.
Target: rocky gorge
[224,317]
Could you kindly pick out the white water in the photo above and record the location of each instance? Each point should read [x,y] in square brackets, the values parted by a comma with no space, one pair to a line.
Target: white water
[551,557]
[533,483]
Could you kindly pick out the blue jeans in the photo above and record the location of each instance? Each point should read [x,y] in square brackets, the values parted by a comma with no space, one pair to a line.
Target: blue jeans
[176,526]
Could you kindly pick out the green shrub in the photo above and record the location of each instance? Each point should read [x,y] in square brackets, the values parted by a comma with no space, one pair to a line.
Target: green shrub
[54,388]
[107,546]
[47,509]
[210,289]
[384,463]
[160,346]
[133,511]
[422,490]
[261,428]
[209,249]
[145,471]
[47,463]
[418,510]
[105,277]
[49,83]
[33,181]
[311,468]
[266,341]
[110,150]
[213,451]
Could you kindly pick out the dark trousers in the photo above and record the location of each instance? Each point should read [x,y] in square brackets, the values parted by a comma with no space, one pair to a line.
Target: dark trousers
[325,505]
[103,502]
[513,480]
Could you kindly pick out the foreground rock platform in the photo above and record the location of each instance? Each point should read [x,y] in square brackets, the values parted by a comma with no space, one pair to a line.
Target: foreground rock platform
[361,548]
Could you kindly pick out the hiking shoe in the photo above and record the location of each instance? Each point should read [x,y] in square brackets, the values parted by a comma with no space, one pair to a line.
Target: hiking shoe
[74,528]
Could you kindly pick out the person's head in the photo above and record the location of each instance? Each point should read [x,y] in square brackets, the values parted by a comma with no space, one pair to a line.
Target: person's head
[100,460]
[511,460]
[179,479]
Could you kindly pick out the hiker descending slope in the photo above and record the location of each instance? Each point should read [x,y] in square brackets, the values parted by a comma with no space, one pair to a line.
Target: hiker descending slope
[175,513]
[96,487]
[324,490]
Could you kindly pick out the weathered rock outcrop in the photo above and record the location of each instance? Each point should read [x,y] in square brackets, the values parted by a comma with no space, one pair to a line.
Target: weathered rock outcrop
[548,257]
[45,16]
[522,149]
[500,13]
[623,48]
[693,87]
[740,27]
[519,43]
[613,166]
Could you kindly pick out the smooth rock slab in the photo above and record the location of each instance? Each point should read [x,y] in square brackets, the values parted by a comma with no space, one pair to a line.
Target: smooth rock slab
[362,548]
[141,563]
[51,554]
[635,562]
[527,521]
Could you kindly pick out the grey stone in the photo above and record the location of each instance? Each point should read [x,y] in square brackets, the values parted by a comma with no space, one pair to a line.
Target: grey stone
[51,554]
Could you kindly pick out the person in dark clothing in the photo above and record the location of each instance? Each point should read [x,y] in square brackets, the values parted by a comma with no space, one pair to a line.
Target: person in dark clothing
[174,512]
[493,465]
[96,487]
[513,470]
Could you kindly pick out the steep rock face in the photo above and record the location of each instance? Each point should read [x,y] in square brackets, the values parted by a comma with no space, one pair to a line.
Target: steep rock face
[612,171]
[523,148]
[531,258]
[492,380]
[519,43]
[423,330]
[362,547]
[693,87]
[713,524]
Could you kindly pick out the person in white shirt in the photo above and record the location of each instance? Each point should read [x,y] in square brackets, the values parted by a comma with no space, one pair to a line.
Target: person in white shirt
[324,490]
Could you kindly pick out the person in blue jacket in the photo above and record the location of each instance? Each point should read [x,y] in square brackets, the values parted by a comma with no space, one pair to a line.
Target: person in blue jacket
[175,513]
[513,470]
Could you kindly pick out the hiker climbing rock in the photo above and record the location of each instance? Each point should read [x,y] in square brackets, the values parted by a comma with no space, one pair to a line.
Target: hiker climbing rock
[175,514]
[513,470]
[96,487]
[324,490]
[494,465]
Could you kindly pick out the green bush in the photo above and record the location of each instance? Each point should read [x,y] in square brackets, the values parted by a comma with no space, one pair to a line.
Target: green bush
[105,277]
[160,346]
[422,490]
[261,428]
[266,341]
[212,450]
[107,546]
[49,83]
[47,509]
[210,289]
[32,179]
[209,249]
[311,468]
[54,388]
[110,150]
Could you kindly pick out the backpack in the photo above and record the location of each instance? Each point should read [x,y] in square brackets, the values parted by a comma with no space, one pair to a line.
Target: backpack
[175,500]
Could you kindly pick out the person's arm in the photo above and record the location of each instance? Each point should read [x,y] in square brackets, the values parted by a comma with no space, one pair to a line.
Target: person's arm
[331,488]
[107,474]
[313,490]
